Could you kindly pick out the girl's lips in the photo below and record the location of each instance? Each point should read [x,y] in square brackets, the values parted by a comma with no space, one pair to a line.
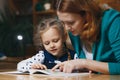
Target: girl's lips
[53,50]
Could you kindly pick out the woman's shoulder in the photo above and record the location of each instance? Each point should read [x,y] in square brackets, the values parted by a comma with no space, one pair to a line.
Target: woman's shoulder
[110,13]
[109,17]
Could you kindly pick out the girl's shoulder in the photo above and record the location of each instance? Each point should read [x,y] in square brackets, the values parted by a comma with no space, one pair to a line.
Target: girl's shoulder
[43,53]
[39,55]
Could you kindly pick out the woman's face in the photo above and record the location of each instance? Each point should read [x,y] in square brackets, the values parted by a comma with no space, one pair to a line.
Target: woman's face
[73,22]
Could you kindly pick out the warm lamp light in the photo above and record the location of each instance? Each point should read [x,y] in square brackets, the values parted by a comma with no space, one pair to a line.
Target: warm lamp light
[20,37]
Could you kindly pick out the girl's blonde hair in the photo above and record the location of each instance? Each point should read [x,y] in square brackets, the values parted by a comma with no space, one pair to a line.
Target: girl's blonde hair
[48,23]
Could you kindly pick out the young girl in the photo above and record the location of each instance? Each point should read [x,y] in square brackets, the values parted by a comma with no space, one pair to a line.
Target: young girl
[52,36]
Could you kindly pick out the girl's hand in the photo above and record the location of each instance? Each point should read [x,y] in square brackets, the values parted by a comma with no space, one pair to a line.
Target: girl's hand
[38,66]
[71,65]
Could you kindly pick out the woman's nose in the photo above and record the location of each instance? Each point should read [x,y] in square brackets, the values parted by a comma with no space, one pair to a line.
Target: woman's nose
[67,27]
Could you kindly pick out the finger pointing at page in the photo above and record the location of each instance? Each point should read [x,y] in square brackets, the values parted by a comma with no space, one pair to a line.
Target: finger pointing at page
[58,66]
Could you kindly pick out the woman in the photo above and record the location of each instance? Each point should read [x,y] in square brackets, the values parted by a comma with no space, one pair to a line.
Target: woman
[94,33]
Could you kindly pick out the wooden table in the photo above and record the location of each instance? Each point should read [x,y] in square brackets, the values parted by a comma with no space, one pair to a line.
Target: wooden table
[47,77]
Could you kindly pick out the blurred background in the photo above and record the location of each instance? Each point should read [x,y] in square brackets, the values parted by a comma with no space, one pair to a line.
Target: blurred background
[18,20]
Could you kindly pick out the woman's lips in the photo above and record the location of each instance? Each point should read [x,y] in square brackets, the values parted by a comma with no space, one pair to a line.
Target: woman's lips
[72,32]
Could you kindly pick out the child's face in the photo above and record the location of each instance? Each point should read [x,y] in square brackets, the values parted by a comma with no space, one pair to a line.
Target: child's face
[53,42]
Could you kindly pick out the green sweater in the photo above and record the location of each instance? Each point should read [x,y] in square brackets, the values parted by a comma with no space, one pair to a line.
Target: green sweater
[107,49]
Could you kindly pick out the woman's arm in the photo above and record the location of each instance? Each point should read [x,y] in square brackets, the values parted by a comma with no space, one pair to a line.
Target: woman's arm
[78,64]
[97,66]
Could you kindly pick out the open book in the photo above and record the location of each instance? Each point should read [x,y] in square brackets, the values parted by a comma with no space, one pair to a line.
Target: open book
[45,72]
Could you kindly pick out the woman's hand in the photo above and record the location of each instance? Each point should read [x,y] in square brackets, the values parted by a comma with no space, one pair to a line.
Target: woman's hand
[38,66]
[71,65]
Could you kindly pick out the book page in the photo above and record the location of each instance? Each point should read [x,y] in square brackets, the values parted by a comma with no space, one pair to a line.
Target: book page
[55,73]
[47,72]
[15,72]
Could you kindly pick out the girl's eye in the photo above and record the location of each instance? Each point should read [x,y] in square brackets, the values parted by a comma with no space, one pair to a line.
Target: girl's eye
[55,40]
[46,43]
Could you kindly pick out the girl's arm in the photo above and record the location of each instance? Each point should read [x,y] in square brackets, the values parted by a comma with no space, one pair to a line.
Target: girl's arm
[25,65]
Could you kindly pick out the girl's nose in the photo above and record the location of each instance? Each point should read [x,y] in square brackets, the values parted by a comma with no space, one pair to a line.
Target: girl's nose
[51,44]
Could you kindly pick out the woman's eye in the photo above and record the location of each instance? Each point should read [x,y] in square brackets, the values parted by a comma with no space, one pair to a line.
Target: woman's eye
[71,23]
